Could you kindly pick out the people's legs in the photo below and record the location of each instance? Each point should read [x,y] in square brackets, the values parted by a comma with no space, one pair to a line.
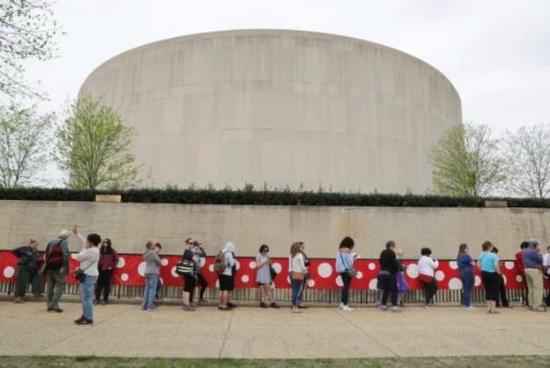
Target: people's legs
[433,290]
[346,280]
[538,289]
[87,297]
[50,285]
[269,293]
[296,286]
[59,289]
[530,286]
[385,284]
[188,290]
[467,286]
[99,285]
[426,287]
[22,282]
[302,291]
[203,285]
[146,286]
[154,279]
[502,291]
[37,283]
[392,283]
[107,285]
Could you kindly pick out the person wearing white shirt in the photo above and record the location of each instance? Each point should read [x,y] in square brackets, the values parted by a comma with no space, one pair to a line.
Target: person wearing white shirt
[89,259]
[426,274]
[227,278]
[298,273]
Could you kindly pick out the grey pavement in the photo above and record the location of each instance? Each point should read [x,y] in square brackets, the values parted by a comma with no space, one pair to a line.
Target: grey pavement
[249,332]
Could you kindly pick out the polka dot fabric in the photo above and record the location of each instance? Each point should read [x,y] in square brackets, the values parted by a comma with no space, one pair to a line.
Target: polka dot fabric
[129,271]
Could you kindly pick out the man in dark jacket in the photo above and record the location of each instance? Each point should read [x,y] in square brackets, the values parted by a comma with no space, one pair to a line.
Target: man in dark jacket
[57,269]
[389,266]
[27,270]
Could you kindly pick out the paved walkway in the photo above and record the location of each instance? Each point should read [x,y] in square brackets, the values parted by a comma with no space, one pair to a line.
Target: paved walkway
[125,330]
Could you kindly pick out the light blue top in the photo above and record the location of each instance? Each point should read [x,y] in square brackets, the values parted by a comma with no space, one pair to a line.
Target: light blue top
[488,261]
[344,262]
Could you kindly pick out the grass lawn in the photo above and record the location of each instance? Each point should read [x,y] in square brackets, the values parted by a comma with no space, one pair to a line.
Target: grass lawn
[454,362]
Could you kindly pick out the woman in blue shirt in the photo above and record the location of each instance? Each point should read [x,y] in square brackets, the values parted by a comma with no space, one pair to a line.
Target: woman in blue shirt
[344,266]
[488,262]
[466,267]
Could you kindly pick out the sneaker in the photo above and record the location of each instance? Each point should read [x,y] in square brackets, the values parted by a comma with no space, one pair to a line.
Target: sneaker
[226,308]
[301,306]
[55,309]
[346,308]
[231,305]
[77,321]
[18,301]
[203,302]
[188,308]
[341,305]
[274,305]
[85,321]
[194,305]
[263,305]
[396,309]
[382,307]
[296,310]
[469,308]
[104,302]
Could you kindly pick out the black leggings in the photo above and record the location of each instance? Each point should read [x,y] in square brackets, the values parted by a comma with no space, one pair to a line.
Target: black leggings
[430,288]
[201,281]
[103,285]
[389,287]
[490,281]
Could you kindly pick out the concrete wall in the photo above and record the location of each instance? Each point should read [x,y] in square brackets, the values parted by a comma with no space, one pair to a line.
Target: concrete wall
[279,107]
[129,225]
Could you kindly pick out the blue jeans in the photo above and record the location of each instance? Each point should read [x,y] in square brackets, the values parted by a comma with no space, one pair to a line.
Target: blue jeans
[468,280]
[297,290]
[151,282]
[346,280]
[87,296]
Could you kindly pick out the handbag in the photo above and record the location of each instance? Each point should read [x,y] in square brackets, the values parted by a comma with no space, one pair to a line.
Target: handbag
[185,267]
[352,272]
[298,276]
[427,279]
[79,274]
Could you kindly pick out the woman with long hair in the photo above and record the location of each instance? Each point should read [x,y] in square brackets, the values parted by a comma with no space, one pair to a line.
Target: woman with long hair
[264,277]
[345,267]
[490,269]
[466,268]
[108,259]
[298,272]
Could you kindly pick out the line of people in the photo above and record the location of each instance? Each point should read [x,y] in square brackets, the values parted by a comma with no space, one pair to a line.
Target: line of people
[97,264]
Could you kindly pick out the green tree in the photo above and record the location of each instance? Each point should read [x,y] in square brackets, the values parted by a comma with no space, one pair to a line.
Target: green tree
[466,162]
[24,143]
[27,31]
[527,154]
[94,147]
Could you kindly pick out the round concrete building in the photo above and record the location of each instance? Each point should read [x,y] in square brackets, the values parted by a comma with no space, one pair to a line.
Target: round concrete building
[279,108]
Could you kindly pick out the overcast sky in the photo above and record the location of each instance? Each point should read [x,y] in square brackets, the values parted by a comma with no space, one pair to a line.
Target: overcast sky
[496,53]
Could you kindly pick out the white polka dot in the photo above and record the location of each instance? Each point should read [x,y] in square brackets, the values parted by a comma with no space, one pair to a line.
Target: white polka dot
[453,265]
[202,262]
[277,267]
[245,278]
[9,272]
[505,279]
[237,265]
[173,273]
[519,278]
[124,277]
[311,283]
[477,281]
[372,266]
[509,265]
[455,284]
[141,269]
[211,267]
[373,284]
[164,261]
[339,281]
[121,262]
[412,271]
[324,270]
[440,275]
[252,265]
[359,275]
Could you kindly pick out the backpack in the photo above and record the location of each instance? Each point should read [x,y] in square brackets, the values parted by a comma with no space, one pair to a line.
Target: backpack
[219,263]
[54,258]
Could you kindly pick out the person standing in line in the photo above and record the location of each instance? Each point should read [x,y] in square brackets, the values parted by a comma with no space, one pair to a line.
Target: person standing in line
[264,277]
[388,276]
[345,267]
[89,260]
[532,262]
[189,278]
[227,278]
[152,274]
[467,275]
[402,285]
[490,268]
[502,300]
[546,271]
[201,281]
[28,266]
[108,259]
[521,271]
[298,272]
[303,287]
[426,275]
[56,269]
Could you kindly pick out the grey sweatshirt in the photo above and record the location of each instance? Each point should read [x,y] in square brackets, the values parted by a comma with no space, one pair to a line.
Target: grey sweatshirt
[152,262]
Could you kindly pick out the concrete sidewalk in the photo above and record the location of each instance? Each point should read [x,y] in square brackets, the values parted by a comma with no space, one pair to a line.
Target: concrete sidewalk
[125,330]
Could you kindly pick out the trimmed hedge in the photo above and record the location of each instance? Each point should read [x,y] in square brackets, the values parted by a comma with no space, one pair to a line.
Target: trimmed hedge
[250,197]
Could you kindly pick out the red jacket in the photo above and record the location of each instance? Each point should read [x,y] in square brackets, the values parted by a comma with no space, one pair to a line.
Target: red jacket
[519,262]
[108,261]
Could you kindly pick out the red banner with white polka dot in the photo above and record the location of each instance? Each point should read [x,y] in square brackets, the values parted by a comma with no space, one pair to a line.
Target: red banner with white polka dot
[130,267]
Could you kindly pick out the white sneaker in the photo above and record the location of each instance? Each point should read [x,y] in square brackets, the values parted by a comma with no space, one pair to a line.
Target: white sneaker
[469,309]
[382,307]
[396,309]
[346,308]
[341,305]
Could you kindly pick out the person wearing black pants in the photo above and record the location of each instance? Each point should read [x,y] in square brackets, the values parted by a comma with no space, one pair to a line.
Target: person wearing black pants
[108,259]
[430,289]
[388,276]
[203,284]
[502,300]
[200,281]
